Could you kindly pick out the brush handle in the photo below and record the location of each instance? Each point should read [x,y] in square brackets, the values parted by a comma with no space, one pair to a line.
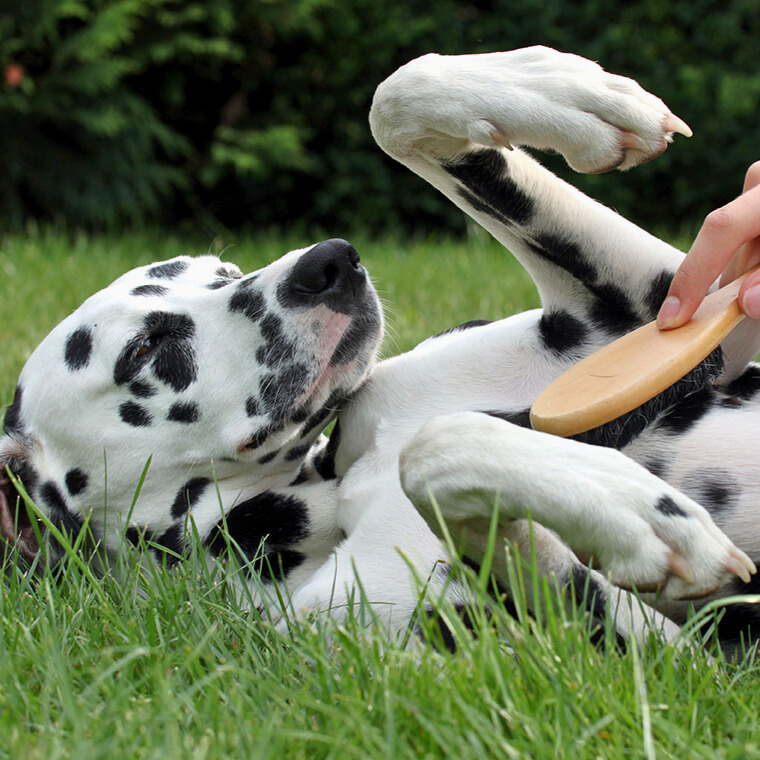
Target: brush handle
[635,368]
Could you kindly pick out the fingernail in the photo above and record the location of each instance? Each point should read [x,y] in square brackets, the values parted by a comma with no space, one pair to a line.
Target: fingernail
[669,310]
[751,302]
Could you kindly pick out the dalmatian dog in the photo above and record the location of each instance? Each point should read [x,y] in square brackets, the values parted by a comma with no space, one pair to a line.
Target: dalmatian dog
[212,389]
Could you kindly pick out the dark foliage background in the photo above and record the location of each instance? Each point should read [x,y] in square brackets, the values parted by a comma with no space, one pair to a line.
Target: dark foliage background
[253,112]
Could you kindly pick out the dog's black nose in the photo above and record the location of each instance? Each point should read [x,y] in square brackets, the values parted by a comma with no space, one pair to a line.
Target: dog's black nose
[329,273]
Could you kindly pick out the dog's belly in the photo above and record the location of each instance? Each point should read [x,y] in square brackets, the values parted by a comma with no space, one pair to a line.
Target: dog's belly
[711,457]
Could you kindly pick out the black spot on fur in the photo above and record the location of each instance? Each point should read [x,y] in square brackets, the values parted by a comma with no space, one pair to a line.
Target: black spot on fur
[566,255]
[591,596]
[317,419]
[188,496]
[12,419]
[299,415]
[259,438]
[746,386]
[167,271]
[174,363]
[279,564]
[302,477]
[76,481]
[324,462]
[613,311]
[267,458]
[264,529]
[658,291]
[229,273]
[59,513]
[52,496]
[588,592]
[246,301]
[279,392]
[464,326]
[489,188]
[561,332]
[226,277]
[149,290]
[184,412]
[141,389]
[252,407]
[333,405]
[501,591]
[135,415]
[716,489]
[666,506]
[686,412]
[170,545]
[278,349]
[27,475]
[521,418]
[133,535]
[78,349]
[655,466]
[271,328]
[297,452]
[173,358]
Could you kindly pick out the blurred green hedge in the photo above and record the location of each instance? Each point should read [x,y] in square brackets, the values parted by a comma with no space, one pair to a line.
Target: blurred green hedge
[253,112]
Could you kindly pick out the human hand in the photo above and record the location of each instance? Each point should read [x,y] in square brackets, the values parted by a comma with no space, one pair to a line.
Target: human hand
[728,242]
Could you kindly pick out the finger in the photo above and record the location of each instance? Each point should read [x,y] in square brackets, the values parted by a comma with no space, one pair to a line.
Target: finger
[746,258]
[748,255]
[723,232]
[752,178]
[749,293]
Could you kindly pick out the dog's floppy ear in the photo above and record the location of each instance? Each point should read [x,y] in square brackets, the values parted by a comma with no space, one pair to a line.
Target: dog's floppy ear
[15,527]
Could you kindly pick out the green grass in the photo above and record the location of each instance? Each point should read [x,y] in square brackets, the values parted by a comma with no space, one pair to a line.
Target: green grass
[156,665]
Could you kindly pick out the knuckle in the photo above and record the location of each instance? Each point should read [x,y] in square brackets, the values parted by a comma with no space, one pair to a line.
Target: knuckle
[753,175]
[688,278]
[720,220]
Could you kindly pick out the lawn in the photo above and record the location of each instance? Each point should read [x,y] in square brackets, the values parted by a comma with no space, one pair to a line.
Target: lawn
[156,665]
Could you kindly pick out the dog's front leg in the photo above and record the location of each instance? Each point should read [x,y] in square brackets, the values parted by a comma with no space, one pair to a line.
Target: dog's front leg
[643,532]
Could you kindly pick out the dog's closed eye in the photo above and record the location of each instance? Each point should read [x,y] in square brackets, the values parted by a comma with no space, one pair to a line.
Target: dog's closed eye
[148,344]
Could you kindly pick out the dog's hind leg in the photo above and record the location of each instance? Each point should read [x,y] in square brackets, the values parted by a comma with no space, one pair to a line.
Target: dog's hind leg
[544,556]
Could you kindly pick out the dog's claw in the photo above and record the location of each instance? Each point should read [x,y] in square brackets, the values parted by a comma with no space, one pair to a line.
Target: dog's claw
[501,139]
[673,124]
[736,568]
[741,565]
[632,140]
[680,567]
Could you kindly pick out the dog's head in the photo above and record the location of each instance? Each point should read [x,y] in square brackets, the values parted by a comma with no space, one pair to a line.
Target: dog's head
[193,366]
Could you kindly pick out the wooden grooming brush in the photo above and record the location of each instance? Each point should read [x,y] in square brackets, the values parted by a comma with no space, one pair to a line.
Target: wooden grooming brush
[635,368]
